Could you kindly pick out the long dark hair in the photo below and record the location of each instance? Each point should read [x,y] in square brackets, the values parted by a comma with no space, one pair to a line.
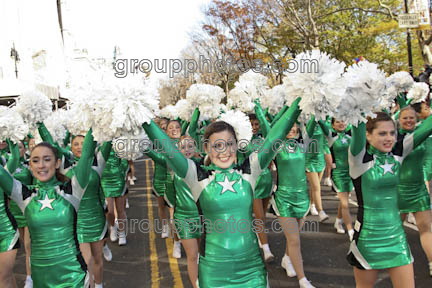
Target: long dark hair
[62,178]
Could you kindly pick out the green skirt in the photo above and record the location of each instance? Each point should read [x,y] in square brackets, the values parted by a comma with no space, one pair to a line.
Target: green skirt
[413,198]
[263,185]
[291,202]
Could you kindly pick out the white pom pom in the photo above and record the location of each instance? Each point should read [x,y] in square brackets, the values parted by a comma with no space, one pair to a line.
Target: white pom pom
[184,110]
[207,98]
[56,125]
[365,87]
[274,99]
[12,125]
[418,92]
[399,82]
[240,122]
[131,147]
[250,86]
[34,107]
[169,112]
[319,87]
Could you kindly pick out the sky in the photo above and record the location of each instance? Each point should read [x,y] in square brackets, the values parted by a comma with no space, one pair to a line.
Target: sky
[142,29]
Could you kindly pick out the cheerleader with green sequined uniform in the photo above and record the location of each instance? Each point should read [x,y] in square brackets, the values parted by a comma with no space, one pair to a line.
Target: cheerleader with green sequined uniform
[114,188]
[375,159]
[423,111]
[19,169]
[50,207]
[224,191]
[339,138]
[9,234]
[315,164]
[413,195]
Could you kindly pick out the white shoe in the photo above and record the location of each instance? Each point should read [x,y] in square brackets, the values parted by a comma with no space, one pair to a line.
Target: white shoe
[165,232]
[323,216]
[113,233]
[338,226]
[327,182]
[286,264]
[127,203]
[351,234]
[122,239]
[177,250]
[411,219]
[107,253]
[304,283]
[313,210]
[134,178]
[28,282]
[131,181]
[268,256]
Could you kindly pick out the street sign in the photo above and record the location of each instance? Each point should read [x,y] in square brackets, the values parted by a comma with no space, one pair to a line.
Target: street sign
[410,20]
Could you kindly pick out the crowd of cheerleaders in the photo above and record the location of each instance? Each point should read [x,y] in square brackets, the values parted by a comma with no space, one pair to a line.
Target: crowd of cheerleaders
[64,197]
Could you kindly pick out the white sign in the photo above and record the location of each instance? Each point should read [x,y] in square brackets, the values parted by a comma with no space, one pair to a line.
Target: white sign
[422,8]
[408,20]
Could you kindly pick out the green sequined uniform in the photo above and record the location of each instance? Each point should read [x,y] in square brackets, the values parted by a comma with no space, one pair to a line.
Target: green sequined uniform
[113,177]
[427,165]
[91,224]
[264,183]
[339,144]
[51,209]
[292,197]
[413,194]
[379,239]
[230,255]
[315,161]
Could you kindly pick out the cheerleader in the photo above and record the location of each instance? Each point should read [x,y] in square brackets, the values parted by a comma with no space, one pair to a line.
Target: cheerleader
[338,139]
[225,194]
[114,188]
[315,164]
[262,190]
[159,186]
[423,111]
[291,199]
[379,238]
[20,171]
[413,195]
[50,207]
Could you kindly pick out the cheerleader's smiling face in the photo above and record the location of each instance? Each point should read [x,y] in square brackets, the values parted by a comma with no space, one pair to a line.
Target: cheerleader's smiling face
[425,111]
[408,119]
[339,126]
[222,149]
[173,130]
[43,163]
[77,144]
[293,133]
[383,136]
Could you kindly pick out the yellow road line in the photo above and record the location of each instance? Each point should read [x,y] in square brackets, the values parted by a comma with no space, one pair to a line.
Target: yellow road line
[153,252]
[178,283]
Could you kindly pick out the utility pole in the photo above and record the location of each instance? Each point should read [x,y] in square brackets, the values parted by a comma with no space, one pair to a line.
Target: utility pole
[14,55]
[410,61]
[59,14]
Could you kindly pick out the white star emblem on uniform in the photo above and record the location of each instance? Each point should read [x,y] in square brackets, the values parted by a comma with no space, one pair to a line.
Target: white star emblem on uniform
[227,185]
[344,140]
[46,203]
[387,167]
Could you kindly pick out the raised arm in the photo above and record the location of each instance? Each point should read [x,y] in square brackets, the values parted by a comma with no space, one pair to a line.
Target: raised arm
[268,114]
[310,127]
[423,131]
[325,126]
[184,127]
[13,161]
[46,136]
[276,118]
[278,133]
[102,156]
[174,158]
[193,126]
[265,126]
[358,140]
[82,170]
